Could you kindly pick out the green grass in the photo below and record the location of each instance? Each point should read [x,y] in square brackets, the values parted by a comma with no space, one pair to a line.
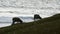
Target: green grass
[50,25]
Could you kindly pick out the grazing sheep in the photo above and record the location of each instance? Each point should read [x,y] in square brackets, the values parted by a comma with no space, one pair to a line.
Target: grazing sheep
[16,19]
[37,17]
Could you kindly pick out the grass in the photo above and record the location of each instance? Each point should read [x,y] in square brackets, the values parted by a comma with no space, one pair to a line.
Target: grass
[50,25]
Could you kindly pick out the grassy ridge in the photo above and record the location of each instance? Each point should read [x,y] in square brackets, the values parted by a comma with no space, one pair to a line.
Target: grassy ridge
[49,25]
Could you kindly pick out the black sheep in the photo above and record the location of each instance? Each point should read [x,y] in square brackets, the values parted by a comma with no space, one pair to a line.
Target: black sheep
[16,19]
[37,17]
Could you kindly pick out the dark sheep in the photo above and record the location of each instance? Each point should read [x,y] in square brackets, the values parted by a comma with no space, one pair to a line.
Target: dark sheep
[37,17]
[16,19]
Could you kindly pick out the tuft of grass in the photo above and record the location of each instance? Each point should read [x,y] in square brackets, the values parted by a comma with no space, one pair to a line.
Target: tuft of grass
[50,25]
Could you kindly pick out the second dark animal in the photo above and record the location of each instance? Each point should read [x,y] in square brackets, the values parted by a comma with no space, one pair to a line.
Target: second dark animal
[37,17]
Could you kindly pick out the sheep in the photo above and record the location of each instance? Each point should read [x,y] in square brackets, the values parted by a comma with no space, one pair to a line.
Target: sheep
[16,19]
[37,17]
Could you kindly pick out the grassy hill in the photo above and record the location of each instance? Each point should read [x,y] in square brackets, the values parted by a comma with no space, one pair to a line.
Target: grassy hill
[50,25]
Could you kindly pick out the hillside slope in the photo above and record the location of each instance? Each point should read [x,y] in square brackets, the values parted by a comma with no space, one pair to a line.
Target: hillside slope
[49,25]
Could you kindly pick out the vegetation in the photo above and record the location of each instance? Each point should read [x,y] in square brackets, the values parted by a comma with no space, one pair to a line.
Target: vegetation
[50,25]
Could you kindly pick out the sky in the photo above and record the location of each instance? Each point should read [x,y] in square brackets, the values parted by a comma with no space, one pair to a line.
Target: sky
[27,8]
